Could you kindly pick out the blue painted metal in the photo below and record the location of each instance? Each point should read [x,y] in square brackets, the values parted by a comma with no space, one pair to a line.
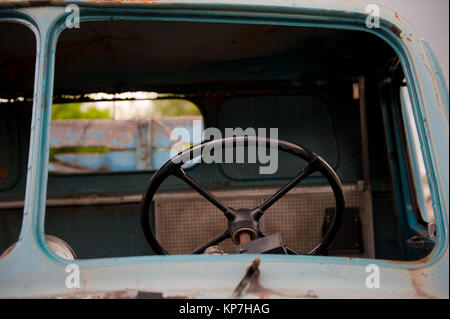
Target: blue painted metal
[112,161]
[132,144]
[33,270]
[406,211]
[414,155]
[392,149]
[144,156]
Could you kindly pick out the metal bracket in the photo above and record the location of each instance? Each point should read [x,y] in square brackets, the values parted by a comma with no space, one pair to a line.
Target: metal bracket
[144,145]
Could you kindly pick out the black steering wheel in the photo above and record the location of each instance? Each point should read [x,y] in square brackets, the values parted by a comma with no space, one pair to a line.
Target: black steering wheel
[243,220]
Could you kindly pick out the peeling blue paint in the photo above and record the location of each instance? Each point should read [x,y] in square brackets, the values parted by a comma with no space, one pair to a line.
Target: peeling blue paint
[192,275]
[112,161]
[69,134]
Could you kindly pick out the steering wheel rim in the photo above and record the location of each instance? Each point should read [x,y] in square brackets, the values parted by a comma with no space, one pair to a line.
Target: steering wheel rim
[241,218]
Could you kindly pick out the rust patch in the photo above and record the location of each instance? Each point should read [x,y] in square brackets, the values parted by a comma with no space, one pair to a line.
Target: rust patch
[421,262]
[40,3]
[397,16]
[396,30]
[416,282]
[3,172]
[121,294]
[251,284]
[264,293]
[251,275]
[116,295]
[435,87]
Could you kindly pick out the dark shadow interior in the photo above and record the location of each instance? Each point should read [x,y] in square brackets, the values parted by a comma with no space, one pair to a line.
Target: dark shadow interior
[17,59]
[299,80]
[192,57]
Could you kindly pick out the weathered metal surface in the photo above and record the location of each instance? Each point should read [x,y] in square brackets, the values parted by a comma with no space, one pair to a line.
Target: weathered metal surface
[57,245]
[115,134]
[107,133]
[144,145]
[251,275]
[196,276]
[111,161]
[134,144]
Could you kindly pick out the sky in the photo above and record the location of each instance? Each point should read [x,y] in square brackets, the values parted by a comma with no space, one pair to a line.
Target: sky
[430,20]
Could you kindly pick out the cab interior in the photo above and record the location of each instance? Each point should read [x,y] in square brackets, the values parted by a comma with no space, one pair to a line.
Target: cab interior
[335,92]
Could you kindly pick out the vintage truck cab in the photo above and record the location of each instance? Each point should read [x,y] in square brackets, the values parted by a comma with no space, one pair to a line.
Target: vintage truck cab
[173,148]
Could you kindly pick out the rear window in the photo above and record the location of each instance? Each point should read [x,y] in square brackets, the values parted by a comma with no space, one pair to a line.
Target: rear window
[118,135]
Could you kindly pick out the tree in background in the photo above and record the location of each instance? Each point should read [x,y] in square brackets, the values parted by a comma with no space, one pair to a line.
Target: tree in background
[73,111]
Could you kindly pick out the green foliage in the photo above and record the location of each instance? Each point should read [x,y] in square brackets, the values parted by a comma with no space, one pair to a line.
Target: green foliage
[67,111]
[73,111]
[84,149]
[175,107]
[163,108]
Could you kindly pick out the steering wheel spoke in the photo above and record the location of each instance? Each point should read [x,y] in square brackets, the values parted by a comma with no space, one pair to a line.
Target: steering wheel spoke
[212,242]
[241,220]
[180,173]
[307,171]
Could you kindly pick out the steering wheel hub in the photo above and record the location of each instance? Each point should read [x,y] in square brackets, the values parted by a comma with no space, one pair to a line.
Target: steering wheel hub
[243,220]
[243,224]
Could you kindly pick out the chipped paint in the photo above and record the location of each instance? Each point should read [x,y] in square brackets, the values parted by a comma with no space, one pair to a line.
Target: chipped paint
[122,142]
[397,31]
[418,278]
[435,86]
[175,275]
